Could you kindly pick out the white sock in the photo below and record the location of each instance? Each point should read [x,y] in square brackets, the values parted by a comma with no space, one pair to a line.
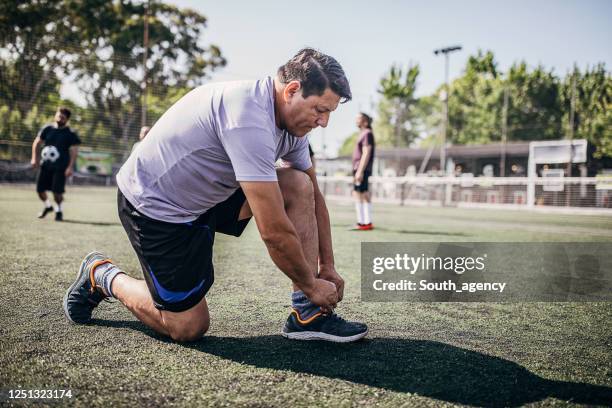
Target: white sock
[109,272]
[367,213]
[359,211]
[47,203]
[57,207]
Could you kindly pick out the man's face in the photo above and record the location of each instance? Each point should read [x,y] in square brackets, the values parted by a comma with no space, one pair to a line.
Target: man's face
[301,115]
[60,119]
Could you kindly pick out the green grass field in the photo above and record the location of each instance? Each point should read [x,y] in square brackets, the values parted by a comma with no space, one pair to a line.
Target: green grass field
[417,354]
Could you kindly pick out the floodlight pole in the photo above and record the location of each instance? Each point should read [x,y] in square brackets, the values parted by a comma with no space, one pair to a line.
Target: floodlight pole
[570,127]
[570,135]
[504,138]
[446,51]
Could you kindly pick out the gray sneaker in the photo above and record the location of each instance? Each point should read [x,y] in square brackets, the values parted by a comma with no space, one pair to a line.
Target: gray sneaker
[85,293]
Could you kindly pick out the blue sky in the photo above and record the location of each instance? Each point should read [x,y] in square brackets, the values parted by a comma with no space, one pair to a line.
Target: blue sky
[366,37]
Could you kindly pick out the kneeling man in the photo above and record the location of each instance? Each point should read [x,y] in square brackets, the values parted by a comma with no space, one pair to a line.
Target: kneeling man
[207,166]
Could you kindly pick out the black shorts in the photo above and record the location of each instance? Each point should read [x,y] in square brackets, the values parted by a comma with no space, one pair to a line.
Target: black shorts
[176,259]
[363,187]
[51,180]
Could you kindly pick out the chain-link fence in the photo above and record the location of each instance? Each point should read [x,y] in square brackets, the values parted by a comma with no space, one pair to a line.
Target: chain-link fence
[107,90]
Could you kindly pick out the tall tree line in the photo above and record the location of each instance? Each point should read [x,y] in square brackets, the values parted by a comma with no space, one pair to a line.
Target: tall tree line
[97,46]
[539,106]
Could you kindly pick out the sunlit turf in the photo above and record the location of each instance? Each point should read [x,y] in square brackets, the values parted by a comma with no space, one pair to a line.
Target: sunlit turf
[417,354]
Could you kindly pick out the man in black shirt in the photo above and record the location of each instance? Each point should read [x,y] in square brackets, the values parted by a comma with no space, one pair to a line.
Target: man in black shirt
[56,160]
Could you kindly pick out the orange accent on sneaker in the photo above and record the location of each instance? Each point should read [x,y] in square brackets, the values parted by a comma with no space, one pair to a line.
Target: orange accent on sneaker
[307,321]
[92,271]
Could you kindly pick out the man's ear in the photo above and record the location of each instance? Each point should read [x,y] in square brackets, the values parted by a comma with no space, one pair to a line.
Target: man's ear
[291,89]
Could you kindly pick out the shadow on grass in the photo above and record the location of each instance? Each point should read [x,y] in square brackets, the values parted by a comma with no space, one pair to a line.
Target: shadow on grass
[94,223]
[130,324]
[403,231]
[454,234]
[427,368]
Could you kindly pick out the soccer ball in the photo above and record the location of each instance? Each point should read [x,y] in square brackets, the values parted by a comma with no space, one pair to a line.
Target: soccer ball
[50,154]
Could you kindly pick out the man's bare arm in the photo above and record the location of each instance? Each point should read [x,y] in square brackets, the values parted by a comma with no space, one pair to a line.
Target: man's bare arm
[36,151]
[327,269]
[74,151]
[281,239]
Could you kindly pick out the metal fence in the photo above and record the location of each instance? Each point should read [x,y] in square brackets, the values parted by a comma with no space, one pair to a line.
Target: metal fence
[493,192]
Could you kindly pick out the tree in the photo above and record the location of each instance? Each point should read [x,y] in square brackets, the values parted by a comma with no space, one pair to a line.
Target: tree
[110,71]
[474,102]
[534,112]
[396,110]
[97,44]
[384,126]
[29,70]
[539,106]
[349,144]
[429,113]
[592,93]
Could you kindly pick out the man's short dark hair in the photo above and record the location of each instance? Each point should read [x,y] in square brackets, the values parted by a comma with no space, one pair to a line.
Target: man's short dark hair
[368,119]
[316,72]
[64,111]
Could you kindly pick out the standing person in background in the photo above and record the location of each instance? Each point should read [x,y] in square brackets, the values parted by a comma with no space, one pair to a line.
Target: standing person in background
[363,157]
[56,161]
[143,133]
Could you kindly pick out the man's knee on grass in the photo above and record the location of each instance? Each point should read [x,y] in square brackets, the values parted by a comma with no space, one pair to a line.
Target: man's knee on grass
[189,325]
[189,331]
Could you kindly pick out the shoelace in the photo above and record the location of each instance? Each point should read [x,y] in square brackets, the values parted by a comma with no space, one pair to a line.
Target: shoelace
[335,317]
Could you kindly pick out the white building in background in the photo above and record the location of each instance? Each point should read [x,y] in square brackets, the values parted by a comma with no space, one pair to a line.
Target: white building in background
[535,176]
[339,166]
[475,160]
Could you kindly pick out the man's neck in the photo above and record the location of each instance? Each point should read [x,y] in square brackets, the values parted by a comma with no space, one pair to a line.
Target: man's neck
[278,97]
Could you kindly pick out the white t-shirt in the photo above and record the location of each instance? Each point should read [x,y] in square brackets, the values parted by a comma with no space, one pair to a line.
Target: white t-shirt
[197,152]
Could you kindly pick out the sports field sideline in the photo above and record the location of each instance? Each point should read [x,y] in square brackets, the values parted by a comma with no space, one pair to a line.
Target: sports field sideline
[417,354]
